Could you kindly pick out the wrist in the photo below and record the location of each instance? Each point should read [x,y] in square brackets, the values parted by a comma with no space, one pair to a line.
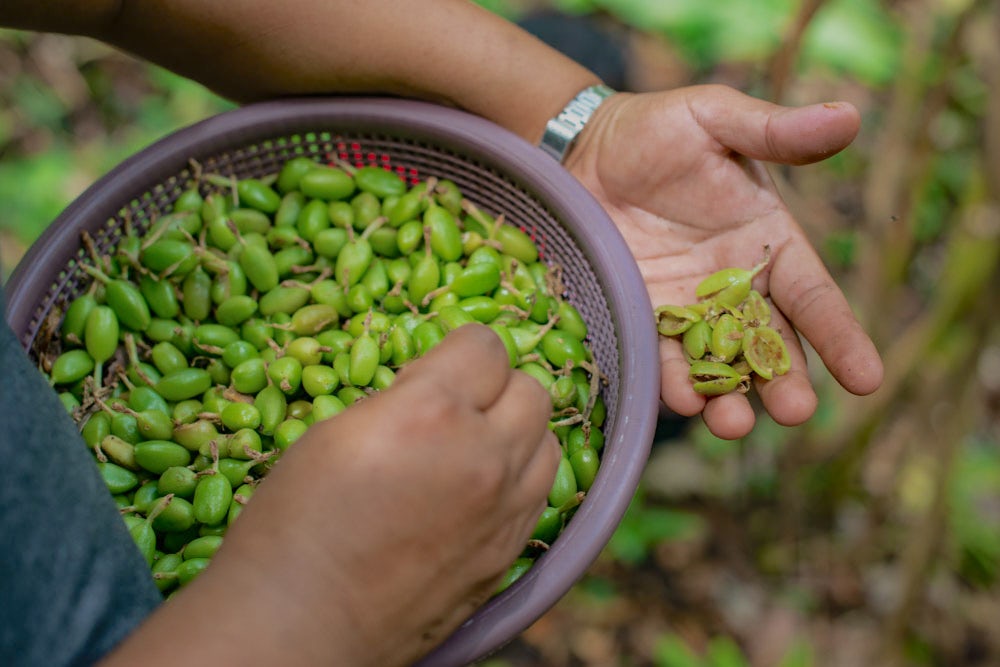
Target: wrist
[563,129]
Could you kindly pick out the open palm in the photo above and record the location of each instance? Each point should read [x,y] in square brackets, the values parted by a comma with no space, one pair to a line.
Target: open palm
[682,175]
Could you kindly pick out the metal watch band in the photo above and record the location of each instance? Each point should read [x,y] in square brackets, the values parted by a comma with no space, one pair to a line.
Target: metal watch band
[561,131]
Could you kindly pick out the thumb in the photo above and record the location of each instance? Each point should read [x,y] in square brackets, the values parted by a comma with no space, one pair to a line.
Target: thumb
[471,361]
[764,131]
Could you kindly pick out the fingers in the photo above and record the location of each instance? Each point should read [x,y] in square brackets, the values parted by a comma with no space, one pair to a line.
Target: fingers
[535,481]
[675,387]
[789,398]
[520,417]
[773,133]
[804,291]
[471,361]
[729,416]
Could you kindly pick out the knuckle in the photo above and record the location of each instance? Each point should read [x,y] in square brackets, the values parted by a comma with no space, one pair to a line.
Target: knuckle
[487,484]
[436,409]
[532,398]
[445,403]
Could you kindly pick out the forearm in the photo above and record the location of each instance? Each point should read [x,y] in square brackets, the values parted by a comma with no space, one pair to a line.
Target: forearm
[448,51]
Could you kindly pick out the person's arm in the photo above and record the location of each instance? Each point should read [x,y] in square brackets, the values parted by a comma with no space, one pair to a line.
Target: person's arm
[448,51]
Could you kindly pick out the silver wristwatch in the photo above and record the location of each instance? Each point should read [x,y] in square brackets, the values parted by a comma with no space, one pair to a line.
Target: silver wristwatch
[561,131]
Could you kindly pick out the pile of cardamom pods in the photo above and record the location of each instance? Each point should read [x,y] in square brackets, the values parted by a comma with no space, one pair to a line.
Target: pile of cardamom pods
[726,333]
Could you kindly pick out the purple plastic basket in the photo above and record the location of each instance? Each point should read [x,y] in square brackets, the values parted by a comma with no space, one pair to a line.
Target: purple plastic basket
[496,170]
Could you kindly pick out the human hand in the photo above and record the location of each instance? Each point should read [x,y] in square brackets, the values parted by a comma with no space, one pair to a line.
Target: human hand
[382,529]
[680,174]
[415,501]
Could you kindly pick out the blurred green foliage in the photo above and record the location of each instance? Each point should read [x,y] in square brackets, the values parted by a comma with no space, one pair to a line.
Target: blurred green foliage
[856,38]
[853,38]
[70,110]
[645,525]
[673,651]
[974,512]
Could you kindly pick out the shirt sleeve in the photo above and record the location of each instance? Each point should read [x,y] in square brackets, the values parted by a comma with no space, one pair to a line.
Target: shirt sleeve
[74,583]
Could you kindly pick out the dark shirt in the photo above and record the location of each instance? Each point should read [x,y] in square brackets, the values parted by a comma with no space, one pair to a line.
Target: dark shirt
[72,582]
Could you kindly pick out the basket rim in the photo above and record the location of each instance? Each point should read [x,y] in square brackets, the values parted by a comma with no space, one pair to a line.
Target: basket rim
[508,614]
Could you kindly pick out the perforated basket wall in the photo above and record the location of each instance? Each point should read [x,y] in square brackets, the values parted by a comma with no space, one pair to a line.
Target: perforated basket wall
[498,172]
